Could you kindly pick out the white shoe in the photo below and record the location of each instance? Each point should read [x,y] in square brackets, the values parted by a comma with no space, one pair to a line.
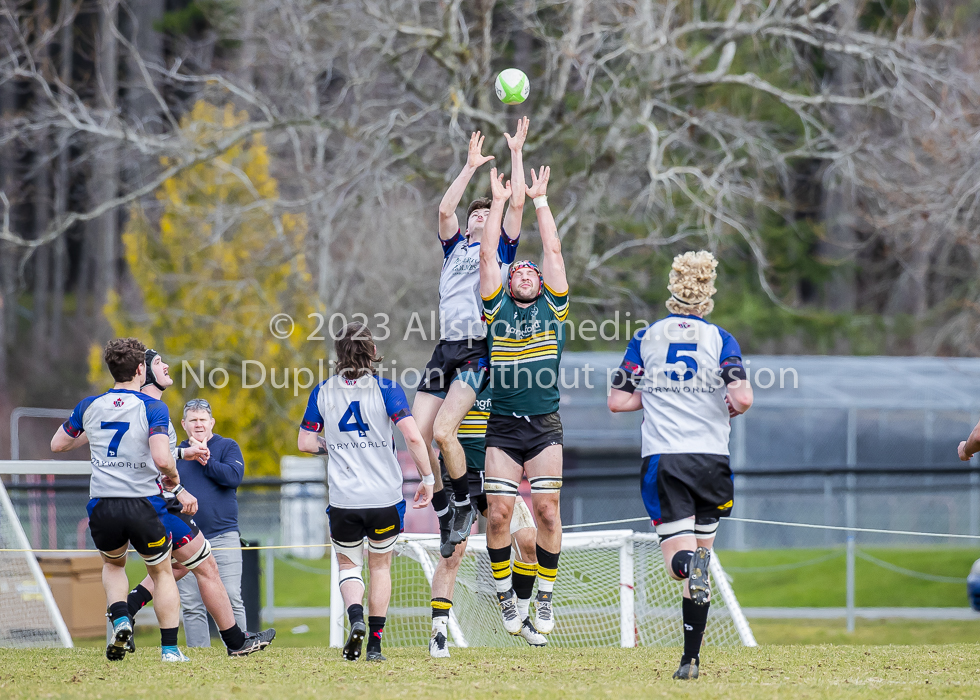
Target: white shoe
[172,654]
[508,611]
[438,645]
[531,635]
[544,618]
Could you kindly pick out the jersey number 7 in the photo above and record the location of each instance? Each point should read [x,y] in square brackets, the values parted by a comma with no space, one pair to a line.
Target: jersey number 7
[352,421]
[120,428]
[673,358]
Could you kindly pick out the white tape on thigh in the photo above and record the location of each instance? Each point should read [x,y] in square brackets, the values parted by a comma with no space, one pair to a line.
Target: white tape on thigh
[675,528]
[113,556]
[155,559]
[383,546]
[705,529]
[545,484]
[195,560]
[522,517]
[355,552]
[495,486]
[352,550]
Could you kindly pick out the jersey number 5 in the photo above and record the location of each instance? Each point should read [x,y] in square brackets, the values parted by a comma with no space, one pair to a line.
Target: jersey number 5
[673,358]
[120,429]
[352,420]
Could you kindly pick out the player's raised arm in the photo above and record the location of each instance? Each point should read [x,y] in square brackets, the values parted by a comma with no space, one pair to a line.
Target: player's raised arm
[552,265]
[623,395]
[489,267]
[515,210]
[448,222]
[420,455]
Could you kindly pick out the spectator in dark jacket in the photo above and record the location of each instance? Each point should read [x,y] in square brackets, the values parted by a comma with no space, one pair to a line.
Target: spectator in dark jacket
[213,478]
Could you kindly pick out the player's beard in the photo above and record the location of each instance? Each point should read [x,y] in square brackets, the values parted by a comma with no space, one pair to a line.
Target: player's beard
[524,296]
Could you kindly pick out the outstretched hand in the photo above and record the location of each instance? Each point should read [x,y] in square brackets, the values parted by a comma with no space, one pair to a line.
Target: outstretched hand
[516,142]
[539,182]
[475,158]
[499,188]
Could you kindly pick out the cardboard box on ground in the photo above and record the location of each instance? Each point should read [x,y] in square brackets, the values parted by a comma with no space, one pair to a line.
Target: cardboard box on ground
[76,583]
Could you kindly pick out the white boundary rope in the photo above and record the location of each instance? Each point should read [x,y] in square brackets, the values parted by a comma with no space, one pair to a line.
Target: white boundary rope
[781,523]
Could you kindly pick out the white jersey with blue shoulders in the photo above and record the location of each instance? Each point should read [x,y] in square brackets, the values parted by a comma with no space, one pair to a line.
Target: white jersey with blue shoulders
[460,305]
[357,417]
[119,424]
[682,364]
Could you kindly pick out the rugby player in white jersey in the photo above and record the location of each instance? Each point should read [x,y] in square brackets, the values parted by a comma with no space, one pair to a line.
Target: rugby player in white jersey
[687,376]
[355,410]
[191,549]
[457,370]
[130,450]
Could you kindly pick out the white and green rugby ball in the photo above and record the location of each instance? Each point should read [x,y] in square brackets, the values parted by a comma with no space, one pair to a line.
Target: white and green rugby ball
[512,86]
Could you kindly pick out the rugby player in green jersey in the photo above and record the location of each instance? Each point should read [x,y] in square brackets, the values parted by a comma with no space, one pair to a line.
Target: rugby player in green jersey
[524,434]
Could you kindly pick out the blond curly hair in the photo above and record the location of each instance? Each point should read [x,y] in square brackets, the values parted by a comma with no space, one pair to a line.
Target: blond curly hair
[691,286]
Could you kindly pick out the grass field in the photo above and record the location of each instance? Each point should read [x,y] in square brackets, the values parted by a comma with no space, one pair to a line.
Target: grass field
[747,674]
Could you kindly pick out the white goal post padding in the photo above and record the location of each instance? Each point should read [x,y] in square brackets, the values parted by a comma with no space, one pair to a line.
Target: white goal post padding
[29,616]
[612,590]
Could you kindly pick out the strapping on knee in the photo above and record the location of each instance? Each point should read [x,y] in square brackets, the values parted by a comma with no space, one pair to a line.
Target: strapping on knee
[705,526]
[196,559]
[382,546]
[545,484]
[355,552]
[495,486]
[676,528]
[155,559]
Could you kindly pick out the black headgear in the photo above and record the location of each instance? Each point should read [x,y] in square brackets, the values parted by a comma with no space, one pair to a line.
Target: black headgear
[150,376]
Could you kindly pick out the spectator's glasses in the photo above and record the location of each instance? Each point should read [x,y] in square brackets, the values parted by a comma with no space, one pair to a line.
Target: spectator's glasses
[197,404]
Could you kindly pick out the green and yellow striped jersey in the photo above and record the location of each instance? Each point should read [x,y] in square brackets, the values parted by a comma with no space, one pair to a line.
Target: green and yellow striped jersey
[525,352]
[474,425]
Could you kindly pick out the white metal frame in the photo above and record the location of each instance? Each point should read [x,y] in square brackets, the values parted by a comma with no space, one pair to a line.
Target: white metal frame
[7,509]
[623,539]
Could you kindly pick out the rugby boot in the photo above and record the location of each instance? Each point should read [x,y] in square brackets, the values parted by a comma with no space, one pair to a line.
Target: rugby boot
[687,672]
[531,635]
[698,580]
[352,649]
[463,519]
[122,634]
[438,645]
[254,642]
[172,655]
[544,618]
[508,611]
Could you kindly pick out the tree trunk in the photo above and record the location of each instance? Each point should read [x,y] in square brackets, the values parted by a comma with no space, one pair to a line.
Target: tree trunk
[61,184]
[106,168]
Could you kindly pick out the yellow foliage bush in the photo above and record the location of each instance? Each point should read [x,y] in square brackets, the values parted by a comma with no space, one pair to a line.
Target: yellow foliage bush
[213,270]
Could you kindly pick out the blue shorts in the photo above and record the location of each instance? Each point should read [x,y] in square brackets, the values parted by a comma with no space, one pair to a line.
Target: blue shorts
[181,526]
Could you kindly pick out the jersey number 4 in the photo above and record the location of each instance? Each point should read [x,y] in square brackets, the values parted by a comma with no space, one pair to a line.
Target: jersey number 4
[351,420]
[120,429]
[673,358]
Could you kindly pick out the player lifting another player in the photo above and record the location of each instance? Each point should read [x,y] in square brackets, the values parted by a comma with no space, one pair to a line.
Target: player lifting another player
[472,435]
[130,449]
[687,376]
[524,432]
[355,409]
[191,549]
[457,371]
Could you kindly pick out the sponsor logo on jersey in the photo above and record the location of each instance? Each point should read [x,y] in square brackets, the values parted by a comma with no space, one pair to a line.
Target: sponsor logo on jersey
[683,324]
[118,403]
